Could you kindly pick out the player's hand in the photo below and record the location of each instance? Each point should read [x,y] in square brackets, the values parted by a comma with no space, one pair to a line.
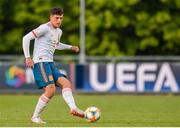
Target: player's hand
[29,62]
[75,48]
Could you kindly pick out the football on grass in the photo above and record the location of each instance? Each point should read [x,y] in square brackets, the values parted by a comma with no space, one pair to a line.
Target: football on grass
[92,114]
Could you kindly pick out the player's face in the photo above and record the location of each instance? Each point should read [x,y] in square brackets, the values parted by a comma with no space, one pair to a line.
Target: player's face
[56,20]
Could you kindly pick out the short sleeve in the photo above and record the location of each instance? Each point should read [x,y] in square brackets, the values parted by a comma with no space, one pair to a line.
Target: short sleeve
[40,31]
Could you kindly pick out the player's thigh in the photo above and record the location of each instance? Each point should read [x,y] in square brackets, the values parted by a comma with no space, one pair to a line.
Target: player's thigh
[43,74]
[55,72]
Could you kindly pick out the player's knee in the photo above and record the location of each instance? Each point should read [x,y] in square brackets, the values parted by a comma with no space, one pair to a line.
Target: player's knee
[50,90]
[64,82]
[53,89]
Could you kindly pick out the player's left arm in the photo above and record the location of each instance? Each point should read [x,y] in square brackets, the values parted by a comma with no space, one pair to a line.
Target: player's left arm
[62,46]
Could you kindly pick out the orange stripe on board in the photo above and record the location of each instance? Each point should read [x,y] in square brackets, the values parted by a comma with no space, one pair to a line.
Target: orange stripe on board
[43,72]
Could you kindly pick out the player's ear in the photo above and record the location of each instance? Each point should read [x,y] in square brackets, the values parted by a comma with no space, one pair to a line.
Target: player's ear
[50,16]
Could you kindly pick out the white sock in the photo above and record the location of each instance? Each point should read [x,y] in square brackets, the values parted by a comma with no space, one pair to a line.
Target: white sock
[68,97]
[43,100]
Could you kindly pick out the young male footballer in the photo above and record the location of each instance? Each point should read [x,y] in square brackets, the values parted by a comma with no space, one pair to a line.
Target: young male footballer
[47,39]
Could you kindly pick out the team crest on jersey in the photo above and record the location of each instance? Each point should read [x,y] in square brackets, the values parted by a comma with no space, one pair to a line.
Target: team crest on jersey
[51,78]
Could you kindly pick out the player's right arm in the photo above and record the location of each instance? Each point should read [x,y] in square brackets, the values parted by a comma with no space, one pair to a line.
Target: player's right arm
[40,31]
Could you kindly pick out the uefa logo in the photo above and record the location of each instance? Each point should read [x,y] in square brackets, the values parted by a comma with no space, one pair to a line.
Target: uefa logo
[15,77]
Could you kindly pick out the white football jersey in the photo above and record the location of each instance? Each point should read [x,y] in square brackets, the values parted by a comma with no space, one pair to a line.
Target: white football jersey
[47,39]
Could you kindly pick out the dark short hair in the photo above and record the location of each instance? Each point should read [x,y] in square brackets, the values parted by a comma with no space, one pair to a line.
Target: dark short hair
[56,11]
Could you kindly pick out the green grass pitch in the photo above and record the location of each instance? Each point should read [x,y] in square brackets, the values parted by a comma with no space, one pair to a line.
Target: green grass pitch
[117,111]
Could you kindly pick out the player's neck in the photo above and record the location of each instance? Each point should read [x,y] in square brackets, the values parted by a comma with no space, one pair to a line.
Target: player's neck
[52,25]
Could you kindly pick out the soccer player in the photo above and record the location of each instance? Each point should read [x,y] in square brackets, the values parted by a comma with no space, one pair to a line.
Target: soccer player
[47,39]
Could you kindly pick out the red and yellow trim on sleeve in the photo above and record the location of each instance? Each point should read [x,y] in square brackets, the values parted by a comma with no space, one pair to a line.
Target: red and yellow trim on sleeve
[34,33]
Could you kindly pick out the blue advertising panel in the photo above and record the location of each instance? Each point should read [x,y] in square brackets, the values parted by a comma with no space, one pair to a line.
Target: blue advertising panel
[132,77]
[111,77]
